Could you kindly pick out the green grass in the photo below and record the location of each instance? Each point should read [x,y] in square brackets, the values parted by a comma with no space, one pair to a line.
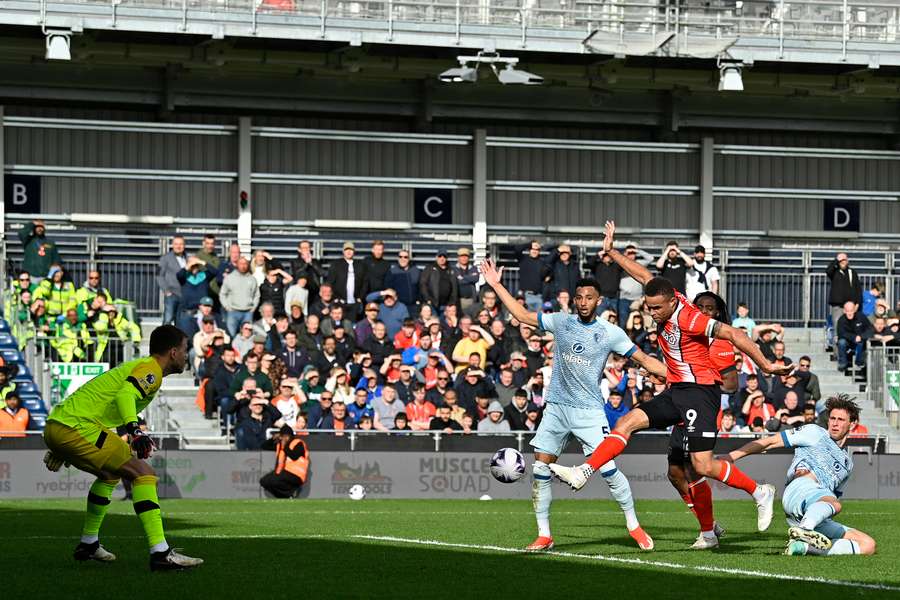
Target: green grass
[313,548]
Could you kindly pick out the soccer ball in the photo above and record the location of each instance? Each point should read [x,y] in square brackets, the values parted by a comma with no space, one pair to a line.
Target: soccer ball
[507,465]
[357,492]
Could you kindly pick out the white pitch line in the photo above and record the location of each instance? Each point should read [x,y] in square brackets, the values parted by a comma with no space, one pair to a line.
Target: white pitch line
[633,561]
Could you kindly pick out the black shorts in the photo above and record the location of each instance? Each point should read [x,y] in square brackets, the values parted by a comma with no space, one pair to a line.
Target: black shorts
[691,404]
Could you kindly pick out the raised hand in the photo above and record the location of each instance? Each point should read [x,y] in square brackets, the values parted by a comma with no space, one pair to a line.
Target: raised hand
[490,272]
[610,231]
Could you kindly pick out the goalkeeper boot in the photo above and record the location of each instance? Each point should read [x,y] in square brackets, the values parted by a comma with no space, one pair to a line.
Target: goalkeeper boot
[172,560]
[574,477]
[93,551]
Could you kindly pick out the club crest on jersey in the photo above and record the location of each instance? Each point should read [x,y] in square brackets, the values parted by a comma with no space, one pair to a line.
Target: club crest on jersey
[577,347]
[150,378]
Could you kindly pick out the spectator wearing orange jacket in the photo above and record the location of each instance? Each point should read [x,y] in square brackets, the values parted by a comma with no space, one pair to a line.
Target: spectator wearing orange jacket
[14,417]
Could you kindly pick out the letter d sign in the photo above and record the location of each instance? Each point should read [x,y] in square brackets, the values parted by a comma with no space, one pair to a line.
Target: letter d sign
[841,215]
[22,194]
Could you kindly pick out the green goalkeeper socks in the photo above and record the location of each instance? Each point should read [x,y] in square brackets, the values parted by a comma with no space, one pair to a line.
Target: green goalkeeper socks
[97,505]
[146,506]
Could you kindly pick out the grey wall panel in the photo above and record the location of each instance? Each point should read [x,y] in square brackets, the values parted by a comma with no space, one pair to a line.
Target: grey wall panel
[114,149]
[767,213]
[360,158]
[591,166]
[812,173]
[540,209]
[139,198]
[879,217]
[306,203]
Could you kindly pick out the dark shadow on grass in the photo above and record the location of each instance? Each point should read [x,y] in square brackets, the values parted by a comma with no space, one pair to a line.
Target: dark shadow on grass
[243,568]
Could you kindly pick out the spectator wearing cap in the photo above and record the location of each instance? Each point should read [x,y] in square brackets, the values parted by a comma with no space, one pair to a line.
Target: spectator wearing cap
[391,312]
[607,274]
[532,417]
[375,268]
[39,251]
[202,340]
[194,277]
[515,411]
[631,290]
[363,328]
[494,422]
[466,274]
[7,385]
[58,295]
[291,465]
[348,278]
[205,309]
[438,286]
[293,357]
[304,266]
[565,272]
[844,287]
[403,276]
[534,274]
[274,287]
[477,341]
[673,265]
[14,418]
[239,296]
[420,410]
[702,276]
[287,401]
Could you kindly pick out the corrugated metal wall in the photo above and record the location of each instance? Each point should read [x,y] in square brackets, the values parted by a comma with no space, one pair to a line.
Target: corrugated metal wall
[360,158]
[306,203]
[809,173]
[761,214]
[540,209]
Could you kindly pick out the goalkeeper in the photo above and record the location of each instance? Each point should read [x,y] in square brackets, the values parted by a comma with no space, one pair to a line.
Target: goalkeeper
[81,431]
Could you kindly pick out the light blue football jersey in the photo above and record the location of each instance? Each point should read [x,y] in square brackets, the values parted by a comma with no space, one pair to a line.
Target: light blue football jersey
[815,451]
[580,352]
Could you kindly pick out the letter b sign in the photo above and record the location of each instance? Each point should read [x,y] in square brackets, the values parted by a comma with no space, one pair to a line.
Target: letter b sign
[22,194]
[841,215]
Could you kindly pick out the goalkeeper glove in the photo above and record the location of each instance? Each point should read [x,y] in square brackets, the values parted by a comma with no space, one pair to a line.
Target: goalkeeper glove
[141,443]
[53,462]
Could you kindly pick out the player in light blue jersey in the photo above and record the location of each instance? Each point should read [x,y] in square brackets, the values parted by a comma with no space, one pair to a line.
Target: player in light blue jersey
[815,480]
[574,403]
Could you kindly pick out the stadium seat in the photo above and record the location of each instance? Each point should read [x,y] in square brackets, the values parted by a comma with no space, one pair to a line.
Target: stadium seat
[38,421]
[4,326]
[33,404]
[8,341]
[11,356]
[27,387]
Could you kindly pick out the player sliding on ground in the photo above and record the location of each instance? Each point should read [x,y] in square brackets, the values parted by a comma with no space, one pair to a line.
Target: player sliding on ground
[695,490]
[815,480]
[692,397]
[81,431]
[574,406]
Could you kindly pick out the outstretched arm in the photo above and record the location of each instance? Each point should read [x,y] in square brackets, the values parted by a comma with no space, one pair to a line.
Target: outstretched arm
[633,268]
[651,363]
[739,338]
[492,277]
[756,447]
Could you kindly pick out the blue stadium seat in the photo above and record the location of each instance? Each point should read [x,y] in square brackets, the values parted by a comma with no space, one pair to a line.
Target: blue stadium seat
[4,326]
[8,341]
[27,387]
[11,356]
[38,422]
[34,404]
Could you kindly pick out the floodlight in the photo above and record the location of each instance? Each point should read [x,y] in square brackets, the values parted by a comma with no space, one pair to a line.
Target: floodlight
[461,74]
[511,75]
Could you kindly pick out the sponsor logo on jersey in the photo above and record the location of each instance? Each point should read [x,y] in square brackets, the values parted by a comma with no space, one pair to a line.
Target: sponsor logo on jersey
[577,347]
[574,359]
[671,336]
[151,378]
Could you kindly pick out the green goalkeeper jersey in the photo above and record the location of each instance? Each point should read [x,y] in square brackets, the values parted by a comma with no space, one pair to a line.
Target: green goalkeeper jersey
[111,399]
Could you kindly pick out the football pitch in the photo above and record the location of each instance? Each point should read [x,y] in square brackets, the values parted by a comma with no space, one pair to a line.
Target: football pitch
[435,549]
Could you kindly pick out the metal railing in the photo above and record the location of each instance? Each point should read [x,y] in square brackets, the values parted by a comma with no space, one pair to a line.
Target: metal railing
[881,360]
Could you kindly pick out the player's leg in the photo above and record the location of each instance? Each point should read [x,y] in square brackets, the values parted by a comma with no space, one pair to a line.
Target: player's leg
[590,428]
[69,445]
[693,489]
[842,541]
[146,507]
[659,412]
[549,442]
[699,406]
